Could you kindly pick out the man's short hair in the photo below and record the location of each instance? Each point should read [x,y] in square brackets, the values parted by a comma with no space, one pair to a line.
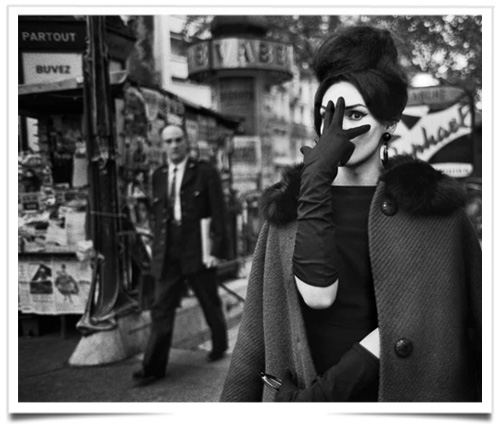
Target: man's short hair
[174,125]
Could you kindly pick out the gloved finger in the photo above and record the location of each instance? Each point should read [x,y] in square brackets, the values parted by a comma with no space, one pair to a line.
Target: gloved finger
[355,132]
[338,116]
[347,154]
[318,120]
[305,150]
[329,112]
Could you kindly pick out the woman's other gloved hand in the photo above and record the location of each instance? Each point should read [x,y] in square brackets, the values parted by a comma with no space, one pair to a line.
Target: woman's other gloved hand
[288,389]
[290,392]
[356,371]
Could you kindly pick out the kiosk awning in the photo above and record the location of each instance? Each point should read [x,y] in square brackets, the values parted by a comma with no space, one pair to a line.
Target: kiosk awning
[66,97]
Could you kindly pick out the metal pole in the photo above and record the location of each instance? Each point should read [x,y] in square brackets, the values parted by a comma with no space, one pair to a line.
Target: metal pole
[108,298]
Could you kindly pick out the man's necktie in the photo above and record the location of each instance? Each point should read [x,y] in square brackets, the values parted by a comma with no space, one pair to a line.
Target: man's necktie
[171,194]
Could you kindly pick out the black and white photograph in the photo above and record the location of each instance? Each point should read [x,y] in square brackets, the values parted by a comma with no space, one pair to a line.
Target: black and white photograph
[249,205]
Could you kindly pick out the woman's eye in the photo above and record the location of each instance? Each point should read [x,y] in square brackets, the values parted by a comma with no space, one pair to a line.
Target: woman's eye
[355,115]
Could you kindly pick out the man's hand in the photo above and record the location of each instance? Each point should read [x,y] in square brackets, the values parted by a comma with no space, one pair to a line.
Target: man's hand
[210,261]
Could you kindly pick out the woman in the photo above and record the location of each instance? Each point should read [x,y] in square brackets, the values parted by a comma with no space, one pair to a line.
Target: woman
[366,278]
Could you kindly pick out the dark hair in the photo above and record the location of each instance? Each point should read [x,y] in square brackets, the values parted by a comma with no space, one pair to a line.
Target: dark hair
[367,58]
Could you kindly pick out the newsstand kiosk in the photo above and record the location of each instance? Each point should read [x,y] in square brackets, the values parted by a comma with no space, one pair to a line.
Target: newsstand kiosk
[56,252]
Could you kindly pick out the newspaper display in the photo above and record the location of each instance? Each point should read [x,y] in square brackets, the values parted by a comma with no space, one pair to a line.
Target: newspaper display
[54,286]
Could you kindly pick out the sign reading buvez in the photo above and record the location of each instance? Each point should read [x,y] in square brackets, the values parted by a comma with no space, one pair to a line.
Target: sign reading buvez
[49,67]
[60,69]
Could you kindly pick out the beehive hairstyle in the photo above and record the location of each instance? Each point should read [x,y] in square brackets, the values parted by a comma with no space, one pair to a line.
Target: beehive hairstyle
[367,58]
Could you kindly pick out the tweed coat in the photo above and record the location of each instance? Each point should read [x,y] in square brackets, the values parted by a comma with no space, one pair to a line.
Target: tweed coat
[201,197]
[426,266]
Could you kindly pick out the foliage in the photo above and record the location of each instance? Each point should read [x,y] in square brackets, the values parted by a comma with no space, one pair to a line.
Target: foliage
[446,46]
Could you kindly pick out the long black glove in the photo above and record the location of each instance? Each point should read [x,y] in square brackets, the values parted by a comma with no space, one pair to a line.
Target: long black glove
[357,370]
[314,255]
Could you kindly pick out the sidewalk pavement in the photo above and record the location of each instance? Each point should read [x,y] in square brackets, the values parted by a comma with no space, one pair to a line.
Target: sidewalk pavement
[45,375]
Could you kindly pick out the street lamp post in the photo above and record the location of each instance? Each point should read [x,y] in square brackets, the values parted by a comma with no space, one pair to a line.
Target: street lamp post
[107,298]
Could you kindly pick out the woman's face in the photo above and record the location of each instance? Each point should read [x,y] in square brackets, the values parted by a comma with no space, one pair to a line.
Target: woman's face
[356,114]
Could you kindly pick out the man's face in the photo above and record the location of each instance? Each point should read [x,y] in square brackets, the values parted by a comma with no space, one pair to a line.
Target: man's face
[175,143]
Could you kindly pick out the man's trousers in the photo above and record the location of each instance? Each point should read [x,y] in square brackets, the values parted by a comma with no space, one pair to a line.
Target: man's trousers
[168,293]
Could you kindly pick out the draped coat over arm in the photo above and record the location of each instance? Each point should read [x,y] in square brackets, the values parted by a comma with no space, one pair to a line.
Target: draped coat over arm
[426,265]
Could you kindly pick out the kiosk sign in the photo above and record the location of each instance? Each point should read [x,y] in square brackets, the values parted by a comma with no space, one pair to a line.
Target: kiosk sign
[58,36]
[239,53]
[51,67]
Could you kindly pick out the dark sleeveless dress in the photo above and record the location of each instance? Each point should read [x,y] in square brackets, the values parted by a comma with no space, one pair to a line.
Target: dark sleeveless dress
[333,331]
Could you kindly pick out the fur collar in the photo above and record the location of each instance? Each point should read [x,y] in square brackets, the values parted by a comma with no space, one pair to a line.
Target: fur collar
[413,184]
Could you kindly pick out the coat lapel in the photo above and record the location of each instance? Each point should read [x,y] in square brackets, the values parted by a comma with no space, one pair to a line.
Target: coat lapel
[189,173]
[163,184]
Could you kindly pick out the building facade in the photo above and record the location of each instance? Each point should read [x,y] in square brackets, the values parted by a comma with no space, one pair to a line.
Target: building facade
[277,112]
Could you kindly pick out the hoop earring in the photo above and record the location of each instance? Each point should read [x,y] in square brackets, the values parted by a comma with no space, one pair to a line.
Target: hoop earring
[385,154]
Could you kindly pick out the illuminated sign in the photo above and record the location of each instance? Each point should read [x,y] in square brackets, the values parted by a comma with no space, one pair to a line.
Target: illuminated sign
[433,131]
[239,53]
[50,67]
[441,137]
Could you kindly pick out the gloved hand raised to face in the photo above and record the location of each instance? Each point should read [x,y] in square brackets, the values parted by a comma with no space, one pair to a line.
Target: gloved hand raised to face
[334,147]
[314,255]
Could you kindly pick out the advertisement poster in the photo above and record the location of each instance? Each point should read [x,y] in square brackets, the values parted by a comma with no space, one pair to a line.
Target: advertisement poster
[54,286]
[247,162]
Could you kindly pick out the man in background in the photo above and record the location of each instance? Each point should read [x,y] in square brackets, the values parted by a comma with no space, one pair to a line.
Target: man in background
[184,191]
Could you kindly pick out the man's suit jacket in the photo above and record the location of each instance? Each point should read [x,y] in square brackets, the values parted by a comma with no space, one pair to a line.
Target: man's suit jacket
[201,197]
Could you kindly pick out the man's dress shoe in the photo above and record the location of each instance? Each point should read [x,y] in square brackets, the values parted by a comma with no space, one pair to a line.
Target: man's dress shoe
[142,379]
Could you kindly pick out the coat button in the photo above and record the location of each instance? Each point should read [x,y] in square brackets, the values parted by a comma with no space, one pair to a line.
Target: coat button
[388,207]
[403,347]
